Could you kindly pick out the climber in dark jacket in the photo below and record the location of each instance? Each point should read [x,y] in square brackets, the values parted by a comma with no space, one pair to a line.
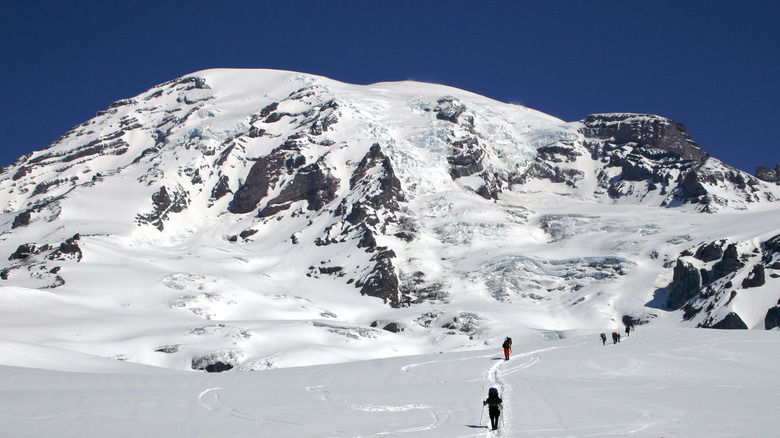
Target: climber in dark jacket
[494,403]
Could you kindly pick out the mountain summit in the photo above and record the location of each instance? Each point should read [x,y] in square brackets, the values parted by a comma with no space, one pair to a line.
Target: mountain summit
[229,207]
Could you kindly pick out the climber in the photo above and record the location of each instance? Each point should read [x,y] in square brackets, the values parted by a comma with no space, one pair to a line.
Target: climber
[507,346]
[495,405]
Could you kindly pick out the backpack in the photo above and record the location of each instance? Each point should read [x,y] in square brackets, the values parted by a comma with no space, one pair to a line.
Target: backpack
[507,343]
[493,399]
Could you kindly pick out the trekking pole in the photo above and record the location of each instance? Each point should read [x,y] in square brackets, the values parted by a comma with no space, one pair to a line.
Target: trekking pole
[481,414]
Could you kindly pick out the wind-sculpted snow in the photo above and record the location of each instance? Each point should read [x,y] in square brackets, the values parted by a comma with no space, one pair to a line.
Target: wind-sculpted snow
[257,219]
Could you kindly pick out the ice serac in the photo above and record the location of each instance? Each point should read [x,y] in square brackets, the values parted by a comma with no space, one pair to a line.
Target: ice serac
[235,202]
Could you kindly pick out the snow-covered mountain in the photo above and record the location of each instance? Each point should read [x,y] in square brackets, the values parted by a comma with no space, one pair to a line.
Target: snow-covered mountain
[262,219]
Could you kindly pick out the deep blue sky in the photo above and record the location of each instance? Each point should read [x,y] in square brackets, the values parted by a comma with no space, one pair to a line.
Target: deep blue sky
[712,65]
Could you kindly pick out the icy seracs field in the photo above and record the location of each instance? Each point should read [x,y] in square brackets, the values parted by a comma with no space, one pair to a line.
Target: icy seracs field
[655,383]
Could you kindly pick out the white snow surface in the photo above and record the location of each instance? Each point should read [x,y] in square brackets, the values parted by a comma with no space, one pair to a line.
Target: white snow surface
[110,352]
[655,383]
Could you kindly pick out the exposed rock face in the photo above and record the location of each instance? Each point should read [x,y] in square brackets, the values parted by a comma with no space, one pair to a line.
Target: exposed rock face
[649,157]
[380,193]
[728,264]
[68,250]
[221,189]
[382,281]
[713,279]
[757,278]
[772,319]
[36,262]
[312,183]
[164,203]
[710,252]
[388,193]
[256,186]
[23,251]
[732,321]
[768,175]
[685,285]
[653,136]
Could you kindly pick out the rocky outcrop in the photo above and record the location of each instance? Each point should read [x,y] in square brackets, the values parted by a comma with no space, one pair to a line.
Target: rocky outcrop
[35,262]
[383,191]
[380,194]
[221,189]
[710,252]
[732,321]
[313,184]
[769,175]
[772,318]
[165,203]
[382,281]
[709,282]
[728,264]
[653,136]
[756,278]
[686,284]
[255,188]
[68,250]
[450,109]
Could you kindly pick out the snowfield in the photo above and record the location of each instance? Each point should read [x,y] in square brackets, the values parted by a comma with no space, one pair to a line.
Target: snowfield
[655,383]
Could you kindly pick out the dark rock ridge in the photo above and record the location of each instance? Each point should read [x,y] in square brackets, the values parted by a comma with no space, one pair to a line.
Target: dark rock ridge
[467,153]
[379,197]
[769,175]
[653,136]
[164,204]
[714,274]
[772,319]
[35,261]
[646,155]
[732,321]
[646,149]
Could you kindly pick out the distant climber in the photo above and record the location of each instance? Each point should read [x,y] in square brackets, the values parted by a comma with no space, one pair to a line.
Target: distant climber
[507,346]
[495,405]
[628,330]
[615,337]
[603,339]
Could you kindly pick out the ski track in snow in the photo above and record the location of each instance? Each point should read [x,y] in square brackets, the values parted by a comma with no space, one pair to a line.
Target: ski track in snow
[210,400]
[495,375]
[440,415]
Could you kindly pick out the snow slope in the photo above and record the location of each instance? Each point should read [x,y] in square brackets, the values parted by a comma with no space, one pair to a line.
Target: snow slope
[655,383]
